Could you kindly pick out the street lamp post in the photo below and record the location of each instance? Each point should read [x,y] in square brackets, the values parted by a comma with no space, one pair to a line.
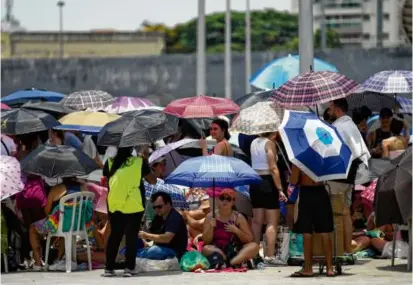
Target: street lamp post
[247,48]
[305,34]
[60,4]
[228,72]
[201,60]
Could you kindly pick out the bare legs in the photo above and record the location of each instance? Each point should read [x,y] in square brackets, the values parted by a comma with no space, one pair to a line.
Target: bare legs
[348,230]
[308,253]
[271,217]
[35,244]
[248,251]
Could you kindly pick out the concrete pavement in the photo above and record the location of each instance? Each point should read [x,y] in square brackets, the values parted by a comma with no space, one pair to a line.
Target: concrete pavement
[375,272]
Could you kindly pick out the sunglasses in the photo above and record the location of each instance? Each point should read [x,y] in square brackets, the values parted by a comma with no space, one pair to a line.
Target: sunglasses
[157,207]
[226,198]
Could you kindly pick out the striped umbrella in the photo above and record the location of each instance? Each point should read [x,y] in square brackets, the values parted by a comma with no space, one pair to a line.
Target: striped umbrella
[313,88]
[82,100]
[201,107]
[390,82]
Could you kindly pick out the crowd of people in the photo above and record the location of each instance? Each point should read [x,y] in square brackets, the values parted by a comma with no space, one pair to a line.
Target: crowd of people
[229,237]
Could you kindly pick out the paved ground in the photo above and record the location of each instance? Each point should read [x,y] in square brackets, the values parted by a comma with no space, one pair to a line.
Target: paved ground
[365,272]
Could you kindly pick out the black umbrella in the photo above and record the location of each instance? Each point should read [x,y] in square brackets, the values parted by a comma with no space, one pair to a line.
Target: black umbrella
[137,128]
[252,98]
[24,121]
[194,149]
[56,109]
[393,197]
[58,162]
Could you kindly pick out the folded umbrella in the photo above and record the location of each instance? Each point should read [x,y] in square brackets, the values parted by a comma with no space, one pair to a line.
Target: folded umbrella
[201,107]
[10,176]
[280,70]
[390,82]
[177,194]
[393,198]
[82,100]
[137,128]
[313,88]
[85,121]
[24,121]
[58,162]
[315,146]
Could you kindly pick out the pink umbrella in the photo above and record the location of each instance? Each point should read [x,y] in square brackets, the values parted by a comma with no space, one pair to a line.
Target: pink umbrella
[10,176]
[125,104]
[101,193]
[369,191]
[5,107]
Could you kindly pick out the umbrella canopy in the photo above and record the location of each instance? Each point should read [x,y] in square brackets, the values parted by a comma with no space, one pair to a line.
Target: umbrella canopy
[253,98]
[168,148]
[23,121]
[213,170]
[10,176]
[177,194]
[32,94]
[137,128]
[5,107]
[58,162]
[53,108]
[314,88]
[125,104]
[279,71]
[201,107]
[393,198]
[263,117]
[82,100]
[315,146]
[390,82]
[405,104]
[85,121]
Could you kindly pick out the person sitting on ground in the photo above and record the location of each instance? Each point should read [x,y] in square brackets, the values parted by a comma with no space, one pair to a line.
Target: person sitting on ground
[397,143]
[199,208]
[168,231]
[227,236]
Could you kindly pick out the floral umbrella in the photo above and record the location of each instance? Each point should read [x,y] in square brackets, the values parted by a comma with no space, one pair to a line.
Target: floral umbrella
[10,176]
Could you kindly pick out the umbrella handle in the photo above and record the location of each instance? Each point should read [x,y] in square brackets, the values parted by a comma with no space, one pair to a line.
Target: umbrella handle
[283,156]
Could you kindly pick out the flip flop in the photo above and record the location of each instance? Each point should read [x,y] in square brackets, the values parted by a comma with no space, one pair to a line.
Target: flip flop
[300,274]
[332,275]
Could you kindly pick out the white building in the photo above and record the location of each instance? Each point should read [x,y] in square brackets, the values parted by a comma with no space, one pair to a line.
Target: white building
[356,20]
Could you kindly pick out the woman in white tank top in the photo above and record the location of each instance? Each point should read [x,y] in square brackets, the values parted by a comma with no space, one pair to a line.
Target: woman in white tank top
[266,197]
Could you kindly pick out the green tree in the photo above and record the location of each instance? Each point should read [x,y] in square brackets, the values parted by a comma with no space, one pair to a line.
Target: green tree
[333,41]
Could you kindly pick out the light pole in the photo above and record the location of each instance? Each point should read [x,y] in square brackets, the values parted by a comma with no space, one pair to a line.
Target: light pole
[305,34]
[247,48]
[228,50]
[60,4]
[201,61]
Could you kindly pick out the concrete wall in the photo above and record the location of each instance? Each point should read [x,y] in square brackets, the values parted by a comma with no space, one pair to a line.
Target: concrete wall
[167,77]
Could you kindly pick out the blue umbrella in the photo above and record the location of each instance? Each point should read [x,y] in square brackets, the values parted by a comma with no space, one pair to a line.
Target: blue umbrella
[315,146]
[32,94]
[279,71]
[177,194]
[213,170]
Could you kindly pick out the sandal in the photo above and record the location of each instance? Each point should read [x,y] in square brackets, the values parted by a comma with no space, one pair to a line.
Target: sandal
[332,275]
[301,274]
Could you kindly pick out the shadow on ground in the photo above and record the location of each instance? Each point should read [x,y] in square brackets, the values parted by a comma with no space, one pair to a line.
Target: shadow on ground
[395,268]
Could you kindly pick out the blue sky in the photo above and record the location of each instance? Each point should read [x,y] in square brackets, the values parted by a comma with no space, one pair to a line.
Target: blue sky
[120,14]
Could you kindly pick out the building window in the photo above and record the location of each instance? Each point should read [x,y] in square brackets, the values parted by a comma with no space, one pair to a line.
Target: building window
[366,17]
[386,16]
[366,36]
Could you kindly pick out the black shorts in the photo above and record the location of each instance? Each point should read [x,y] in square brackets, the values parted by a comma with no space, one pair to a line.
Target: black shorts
[265,195]
[315,214]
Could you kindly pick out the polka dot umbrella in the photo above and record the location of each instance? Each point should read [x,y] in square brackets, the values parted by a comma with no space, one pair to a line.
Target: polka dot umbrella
[10,176]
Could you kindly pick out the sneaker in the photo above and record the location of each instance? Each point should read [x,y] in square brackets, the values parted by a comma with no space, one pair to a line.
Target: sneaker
[108,273]
[37,268]
[273,261]
[129,273]
[60,265]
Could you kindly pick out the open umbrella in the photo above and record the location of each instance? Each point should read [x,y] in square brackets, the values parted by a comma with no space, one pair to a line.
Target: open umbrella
[82,100]
[177,194]
[58,162]
[125,104]
[313,88]
[315,146]
[263,117]
[280,70]
[85,121]
[5,107]
[24,121]
[53,108]
[31,94]
[10,177]
[137,128]
[201,107]
[393,198]
[390,82]
[253,98]
[168,148]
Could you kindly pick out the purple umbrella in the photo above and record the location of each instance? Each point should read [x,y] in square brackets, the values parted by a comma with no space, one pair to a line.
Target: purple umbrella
[10,176]
[126,104]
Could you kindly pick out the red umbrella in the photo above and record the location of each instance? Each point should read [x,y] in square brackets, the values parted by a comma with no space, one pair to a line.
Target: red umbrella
[5,107]
[201,107]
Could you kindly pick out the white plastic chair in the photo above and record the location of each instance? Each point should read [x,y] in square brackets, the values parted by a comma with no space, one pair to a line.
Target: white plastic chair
[76,229]
[408,228]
